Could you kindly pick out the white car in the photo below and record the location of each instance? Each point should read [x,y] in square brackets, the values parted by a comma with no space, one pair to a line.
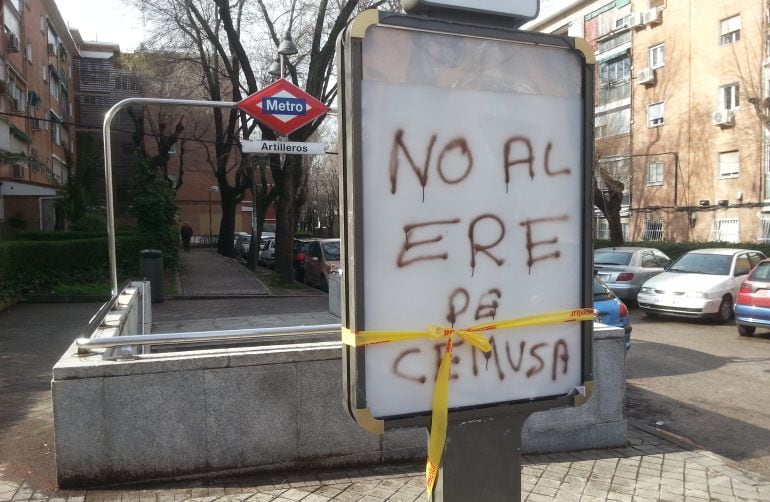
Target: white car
[267,253]
[701,283]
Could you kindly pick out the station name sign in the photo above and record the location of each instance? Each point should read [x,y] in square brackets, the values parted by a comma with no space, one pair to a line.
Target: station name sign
[287,147]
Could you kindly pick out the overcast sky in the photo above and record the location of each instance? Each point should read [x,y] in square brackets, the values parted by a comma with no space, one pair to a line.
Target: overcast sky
[104,20]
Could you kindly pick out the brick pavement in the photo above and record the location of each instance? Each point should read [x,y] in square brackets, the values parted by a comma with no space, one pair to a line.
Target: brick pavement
[651,467]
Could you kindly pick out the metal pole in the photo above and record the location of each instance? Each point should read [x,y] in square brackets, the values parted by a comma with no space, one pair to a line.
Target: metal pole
[108,165]
[86,344]
[211,234]
[482,461]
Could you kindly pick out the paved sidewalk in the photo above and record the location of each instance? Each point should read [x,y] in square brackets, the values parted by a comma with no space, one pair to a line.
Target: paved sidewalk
[204,272]
[652,466]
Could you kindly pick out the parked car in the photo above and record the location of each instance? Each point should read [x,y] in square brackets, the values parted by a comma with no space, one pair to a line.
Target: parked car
[610,310]
[242,243]
[236,235]
[701,283]
[298,259]
[267,253]
[625,269]
[322,259]
[752,308]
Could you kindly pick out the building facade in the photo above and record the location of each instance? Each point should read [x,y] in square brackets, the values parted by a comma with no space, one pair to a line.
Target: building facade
[36,114]
[681,113]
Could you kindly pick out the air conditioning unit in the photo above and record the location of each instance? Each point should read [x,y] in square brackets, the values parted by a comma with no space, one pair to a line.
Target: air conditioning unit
[723,118]
[635,20]
[645,76]
[651,16]
[13,42]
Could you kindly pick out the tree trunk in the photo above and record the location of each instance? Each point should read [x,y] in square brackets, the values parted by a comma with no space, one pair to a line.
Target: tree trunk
[616,229]
[285,221]
[227,224]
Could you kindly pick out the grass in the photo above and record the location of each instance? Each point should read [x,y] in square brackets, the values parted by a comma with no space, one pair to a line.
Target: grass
[82,289]
[103,288]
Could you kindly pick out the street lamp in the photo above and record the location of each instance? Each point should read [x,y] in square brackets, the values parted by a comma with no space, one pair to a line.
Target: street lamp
[286,48]
[212,189]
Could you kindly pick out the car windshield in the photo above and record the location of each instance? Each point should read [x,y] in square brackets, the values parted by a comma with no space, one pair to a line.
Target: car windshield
[612,257]
[601,292]
[331,251]
[701,263]
[761,273]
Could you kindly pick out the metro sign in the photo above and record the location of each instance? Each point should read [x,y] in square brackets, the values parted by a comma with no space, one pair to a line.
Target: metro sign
[283,107]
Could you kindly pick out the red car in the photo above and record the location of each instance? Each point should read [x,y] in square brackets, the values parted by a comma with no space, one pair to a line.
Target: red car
[299,254]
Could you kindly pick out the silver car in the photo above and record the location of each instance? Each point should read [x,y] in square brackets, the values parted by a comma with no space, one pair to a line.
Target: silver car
[625,269]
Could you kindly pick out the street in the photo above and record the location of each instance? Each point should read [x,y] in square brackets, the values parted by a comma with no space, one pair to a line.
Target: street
[703,382]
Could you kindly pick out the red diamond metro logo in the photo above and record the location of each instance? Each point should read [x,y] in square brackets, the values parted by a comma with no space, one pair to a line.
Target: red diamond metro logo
[283,107]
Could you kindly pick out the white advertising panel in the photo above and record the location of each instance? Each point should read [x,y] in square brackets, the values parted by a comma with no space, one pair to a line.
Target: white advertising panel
[472,197]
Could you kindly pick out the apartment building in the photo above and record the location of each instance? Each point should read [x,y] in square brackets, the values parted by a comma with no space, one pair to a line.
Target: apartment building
[36,113]
[681,108]
[100,83]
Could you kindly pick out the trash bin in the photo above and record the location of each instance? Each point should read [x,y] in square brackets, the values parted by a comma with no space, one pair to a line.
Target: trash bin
[151,269]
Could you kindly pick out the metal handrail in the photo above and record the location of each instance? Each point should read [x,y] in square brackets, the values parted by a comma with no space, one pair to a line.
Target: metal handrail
[106,136]
[86,345]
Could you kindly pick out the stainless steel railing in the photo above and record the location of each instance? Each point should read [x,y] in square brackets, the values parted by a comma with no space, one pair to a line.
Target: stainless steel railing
[264,335]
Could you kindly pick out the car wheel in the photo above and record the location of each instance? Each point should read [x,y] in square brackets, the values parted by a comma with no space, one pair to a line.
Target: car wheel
[725,311]
[324,284]
[746,330]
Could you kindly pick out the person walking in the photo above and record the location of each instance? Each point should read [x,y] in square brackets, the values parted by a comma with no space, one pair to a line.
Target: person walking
[187,233]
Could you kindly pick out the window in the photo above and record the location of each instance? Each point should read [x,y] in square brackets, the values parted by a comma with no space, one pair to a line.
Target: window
[730,30]
[729,164]
[603,229]
[16,94]
[655,115]
[653,230]
[55,128]
[764,229]
[616,69]
[656,56]
[725,230]
[728,97]
[53,84]
[613,123]
[648,260]
[655,173]
[17,170]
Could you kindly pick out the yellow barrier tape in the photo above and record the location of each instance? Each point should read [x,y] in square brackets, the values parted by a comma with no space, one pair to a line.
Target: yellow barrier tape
[474,336]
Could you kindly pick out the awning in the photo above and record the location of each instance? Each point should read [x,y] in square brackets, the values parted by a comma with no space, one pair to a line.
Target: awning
[21,135]
[613,53]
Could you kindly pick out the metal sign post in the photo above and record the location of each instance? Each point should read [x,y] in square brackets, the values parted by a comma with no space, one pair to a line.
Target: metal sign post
[466,193]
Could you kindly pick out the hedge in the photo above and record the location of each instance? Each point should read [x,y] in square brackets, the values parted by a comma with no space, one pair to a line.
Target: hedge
[676,249]
[29,265]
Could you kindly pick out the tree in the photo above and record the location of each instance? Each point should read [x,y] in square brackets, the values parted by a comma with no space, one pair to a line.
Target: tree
[233,42]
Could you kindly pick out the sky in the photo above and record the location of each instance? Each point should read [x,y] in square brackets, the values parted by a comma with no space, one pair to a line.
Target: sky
[104,20]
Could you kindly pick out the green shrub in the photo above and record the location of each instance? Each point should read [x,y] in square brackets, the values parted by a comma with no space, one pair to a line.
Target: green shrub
[90,222]
[32,265]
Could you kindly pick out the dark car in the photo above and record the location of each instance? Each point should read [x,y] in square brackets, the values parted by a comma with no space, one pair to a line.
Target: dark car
[752,308]
[610,310]
[298,258]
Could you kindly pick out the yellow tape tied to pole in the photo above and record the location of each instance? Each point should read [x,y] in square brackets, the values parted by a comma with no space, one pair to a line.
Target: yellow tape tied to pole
[473,335]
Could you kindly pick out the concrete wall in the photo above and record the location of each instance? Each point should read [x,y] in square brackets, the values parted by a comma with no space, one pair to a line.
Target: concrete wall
[270,408]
